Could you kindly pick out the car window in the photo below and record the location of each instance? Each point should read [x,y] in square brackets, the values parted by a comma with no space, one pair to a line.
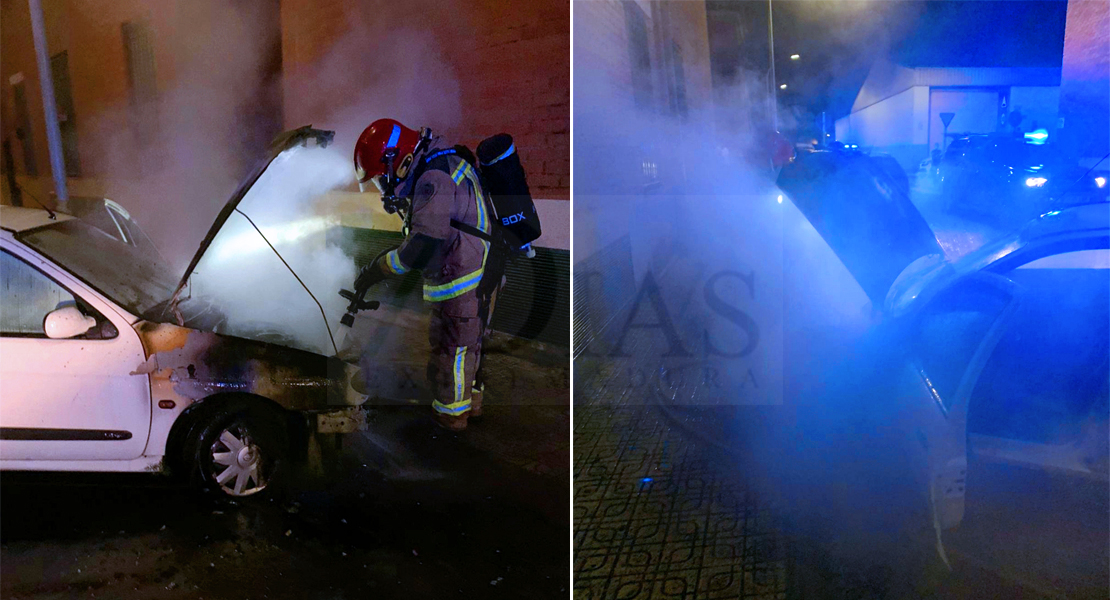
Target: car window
[1080,259]
[1050,370]
[27,295]
[951,329]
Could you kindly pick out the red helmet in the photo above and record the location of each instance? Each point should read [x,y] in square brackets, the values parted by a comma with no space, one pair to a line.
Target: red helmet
[385,149]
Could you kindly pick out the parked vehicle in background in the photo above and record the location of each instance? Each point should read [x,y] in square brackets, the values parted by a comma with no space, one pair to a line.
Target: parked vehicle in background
[1009,180]
[1002,353]
[1011,341]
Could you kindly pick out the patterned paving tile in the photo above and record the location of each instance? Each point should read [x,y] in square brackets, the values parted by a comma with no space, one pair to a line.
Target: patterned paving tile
[657,518]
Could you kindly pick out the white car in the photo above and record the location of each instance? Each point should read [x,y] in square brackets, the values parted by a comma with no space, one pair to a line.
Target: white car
[106,367]
[1000,355]
[1003,353]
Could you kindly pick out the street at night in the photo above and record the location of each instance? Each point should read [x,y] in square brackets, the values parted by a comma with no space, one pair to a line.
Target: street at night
[590,299]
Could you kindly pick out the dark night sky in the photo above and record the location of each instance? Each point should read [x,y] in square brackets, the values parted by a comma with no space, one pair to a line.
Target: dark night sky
[839,39]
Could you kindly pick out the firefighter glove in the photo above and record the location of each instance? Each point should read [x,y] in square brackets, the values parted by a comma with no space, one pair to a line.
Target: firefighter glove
[368,276]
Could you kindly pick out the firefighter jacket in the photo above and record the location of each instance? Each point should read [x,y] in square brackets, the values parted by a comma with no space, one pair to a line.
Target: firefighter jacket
[445,188]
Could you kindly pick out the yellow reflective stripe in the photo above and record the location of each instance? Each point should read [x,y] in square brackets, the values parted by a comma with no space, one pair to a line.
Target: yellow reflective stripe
[464,171]
[394,264]
[454,289]
[460,286]
[455,408]
[466,283]
[483,220]
[460,373]
[459,173]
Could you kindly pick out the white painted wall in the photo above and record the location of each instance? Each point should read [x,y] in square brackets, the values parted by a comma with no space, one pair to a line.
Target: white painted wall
[843,128]
[353,209]
[888,122]
[921,115]
[976,111]
[555,223]
[897,126]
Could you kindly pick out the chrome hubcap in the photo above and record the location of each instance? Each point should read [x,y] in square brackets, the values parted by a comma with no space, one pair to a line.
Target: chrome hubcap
[237,461]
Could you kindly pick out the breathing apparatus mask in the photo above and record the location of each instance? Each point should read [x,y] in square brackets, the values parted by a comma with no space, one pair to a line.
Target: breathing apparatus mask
[391,183]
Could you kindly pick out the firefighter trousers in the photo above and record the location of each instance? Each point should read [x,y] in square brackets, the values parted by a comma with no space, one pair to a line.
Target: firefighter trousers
[458,327]
[456,340]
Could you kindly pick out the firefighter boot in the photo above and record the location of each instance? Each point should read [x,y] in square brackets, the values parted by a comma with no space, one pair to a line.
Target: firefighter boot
[450,422]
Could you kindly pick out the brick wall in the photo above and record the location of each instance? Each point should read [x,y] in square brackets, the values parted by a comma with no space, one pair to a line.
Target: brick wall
[17,56]
[1085,79]
[173,161]
[617,133]
[187,39]
[601,48]
[468,70]
[618,137]
[89,32]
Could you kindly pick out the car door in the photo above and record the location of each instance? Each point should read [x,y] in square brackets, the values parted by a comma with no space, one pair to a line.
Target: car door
[950,339]
[65,399]
[1043,398]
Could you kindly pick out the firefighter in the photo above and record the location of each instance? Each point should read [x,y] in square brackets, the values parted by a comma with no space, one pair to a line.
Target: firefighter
[435,185]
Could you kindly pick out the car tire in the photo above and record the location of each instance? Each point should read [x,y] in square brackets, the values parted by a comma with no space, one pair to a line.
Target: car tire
[238,452]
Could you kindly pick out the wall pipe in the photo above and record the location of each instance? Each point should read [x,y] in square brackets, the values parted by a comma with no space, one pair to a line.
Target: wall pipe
[49,106]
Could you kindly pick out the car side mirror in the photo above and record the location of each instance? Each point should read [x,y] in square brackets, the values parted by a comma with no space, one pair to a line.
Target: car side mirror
[67,322]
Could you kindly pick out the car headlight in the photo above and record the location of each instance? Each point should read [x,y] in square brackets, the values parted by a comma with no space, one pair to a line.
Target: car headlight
[1035,182]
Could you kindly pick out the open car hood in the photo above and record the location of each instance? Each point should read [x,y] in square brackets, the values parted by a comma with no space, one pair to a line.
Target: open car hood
[284,141]
[266,270]
[863,211]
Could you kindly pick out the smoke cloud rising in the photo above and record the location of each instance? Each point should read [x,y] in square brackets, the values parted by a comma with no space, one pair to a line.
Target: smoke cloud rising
[239,74]
[251,285]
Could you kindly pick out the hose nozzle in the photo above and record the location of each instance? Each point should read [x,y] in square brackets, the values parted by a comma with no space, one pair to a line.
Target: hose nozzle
[357,304]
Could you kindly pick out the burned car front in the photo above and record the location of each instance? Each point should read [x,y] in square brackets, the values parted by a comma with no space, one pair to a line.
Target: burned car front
[239,354]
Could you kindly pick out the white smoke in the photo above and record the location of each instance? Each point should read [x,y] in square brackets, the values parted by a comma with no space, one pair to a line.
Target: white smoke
[227,85]
[249,283]
[713,222]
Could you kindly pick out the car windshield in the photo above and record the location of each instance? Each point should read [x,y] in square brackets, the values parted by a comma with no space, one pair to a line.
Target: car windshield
[134,279]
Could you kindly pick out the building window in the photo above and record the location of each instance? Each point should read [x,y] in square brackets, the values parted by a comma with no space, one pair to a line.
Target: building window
[138,49]
[67,115]
[639,53]
[727,35]
[23,130]
[678,81]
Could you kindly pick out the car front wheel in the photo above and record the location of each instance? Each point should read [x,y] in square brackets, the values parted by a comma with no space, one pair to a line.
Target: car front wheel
[238,453]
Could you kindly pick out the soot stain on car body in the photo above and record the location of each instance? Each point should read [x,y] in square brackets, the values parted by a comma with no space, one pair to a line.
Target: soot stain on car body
[192,365]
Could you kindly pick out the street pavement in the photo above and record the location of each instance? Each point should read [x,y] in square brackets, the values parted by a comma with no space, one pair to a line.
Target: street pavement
[655,516]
